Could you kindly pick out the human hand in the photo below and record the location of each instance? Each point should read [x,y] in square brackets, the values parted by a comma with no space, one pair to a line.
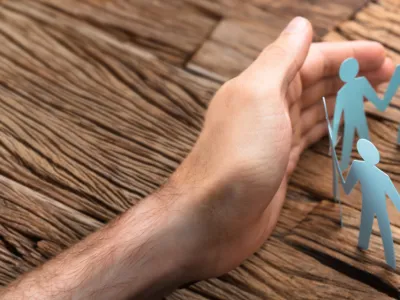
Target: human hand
[255,130]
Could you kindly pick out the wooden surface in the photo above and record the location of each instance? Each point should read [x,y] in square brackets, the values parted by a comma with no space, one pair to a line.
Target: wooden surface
[101,100]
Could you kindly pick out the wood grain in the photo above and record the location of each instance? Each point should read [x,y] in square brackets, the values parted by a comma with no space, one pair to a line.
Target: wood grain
[337,247]
[378,21]
[34,227]
[324,15]
[97,111]
[179,29]
[242,34]
[141,123]
[297,206]
[281,271]
[236,42]
[219,8]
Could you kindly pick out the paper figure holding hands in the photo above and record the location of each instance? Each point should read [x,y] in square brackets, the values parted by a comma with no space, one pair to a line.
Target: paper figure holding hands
[375,185]
[350,102]
[390,92]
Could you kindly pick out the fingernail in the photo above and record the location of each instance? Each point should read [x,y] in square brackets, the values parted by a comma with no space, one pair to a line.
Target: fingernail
[297,24]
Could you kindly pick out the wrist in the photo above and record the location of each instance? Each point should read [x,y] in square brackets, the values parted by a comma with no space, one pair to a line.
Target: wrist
[195,216]
[155,255]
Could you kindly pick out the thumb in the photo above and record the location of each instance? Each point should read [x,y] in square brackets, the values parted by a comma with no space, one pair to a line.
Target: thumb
[282,59]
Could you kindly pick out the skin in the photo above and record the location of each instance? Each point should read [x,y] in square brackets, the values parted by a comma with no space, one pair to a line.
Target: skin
[227,194]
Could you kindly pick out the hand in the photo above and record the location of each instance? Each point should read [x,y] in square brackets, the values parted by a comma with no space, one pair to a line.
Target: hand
[255,129]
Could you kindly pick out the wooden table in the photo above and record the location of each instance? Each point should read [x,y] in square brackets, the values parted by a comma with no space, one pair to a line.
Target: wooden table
[101,100]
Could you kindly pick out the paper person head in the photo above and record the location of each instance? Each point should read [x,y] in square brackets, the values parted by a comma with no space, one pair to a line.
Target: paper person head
[368,151]
[348,69]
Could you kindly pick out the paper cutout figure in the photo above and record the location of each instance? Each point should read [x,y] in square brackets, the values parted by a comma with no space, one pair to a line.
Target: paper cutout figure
[350,102]
[375,185]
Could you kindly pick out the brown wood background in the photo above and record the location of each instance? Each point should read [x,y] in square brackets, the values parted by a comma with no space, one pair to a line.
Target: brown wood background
[100,100]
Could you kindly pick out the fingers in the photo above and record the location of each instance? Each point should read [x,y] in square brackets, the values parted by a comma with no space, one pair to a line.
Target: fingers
[323,88]
[383,74]
[317,132]
[331,85]
[313,128]
[324,59]
[316,113]
[314,135]
[282,59]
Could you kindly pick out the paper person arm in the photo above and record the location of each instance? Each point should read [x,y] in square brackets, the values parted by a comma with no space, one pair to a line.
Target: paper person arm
[351,179]
[391,89]
[371,95]
[393,194]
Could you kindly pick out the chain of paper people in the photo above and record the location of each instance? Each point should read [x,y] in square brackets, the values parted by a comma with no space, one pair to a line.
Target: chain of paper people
[375,184]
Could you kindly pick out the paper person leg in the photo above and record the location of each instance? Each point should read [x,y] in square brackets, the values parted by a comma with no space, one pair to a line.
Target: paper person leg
[387,239]
[335,185]
[348,138]
[362,130]
[367,219]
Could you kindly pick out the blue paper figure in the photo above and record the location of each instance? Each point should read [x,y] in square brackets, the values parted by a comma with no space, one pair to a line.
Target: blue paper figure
[350,102]
[375,185]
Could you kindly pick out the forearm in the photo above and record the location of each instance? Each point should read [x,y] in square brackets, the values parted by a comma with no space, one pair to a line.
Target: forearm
[128,258]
